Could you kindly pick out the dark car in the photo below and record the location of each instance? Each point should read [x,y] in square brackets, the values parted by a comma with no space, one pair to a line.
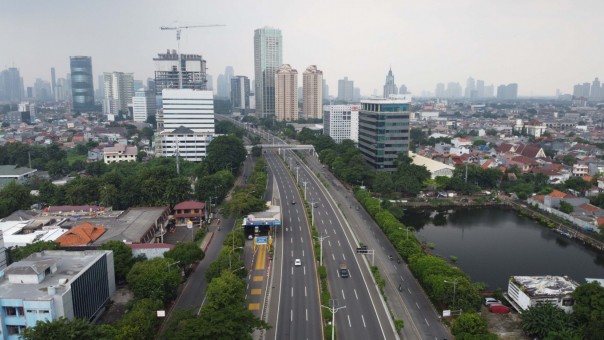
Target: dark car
[293,202]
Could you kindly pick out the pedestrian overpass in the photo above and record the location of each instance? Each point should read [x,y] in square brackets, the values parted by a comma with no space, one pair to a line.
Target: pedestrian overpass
[309,148]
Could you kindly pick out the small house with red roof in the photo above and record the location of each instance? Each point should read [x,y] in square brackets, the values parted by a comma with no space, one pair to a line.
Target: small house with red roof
[189,210]
[81,235]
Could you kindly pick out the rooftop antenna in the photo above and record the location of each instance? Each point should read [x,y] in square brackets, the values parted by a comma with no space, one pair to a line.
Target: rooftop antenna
[178,29]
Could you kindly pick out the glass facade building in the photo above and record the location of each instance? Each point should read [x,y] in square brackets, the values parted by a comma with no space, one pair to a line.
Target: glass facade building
[268,55]
[82,88]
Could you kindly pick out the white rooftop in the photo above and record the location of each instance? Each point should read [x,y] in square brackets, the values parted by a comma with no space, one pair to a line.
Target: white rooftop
[546,285]
[14,234]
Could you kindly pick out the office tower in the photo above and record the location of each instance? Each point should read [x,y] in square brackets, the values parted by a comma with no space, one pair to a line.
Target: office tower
[390,86]
[53,84]
[221,86]
[268,55]
[439,92]
[151,85]
[470,88]
[42,90]
[186,124]
[507,92]
[228,75]
[119,90]
[82,88]
[480,88]
[325,90]
[192,67]
[312,84]
[489,91]
[11,85]
[596,90]
[61,91]
[403,89]
[286,94]
[356,94]
[380,146]
[345,89]
[240,93]
[453,90]
[143,105]
[341,122]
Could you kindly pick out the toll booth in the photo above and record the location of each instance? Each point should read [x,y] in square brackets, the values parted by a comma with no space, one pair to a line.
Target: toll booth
[263,223]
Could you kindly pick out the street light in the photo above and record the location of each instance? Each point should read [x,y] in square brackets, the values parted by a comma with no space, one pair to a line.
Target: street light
[232,250]
[333,310]
[312,213]
[297,173]
[304,189]
[321,238]
[454,282]
[171,264]
[238,269]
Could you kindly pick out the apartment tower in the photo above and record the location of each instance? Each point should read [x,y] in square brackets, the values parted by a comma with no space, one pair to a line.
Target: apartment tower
[312,87]
[268,55]
[286,94]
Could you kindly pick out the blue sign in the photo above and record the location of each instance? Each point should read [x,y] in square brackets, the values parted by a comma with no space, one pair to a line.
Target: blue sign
[261,239]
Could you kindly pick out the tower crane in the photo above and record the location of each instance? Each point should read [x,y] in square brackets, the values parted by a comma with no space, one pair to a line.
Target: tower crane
[178,29]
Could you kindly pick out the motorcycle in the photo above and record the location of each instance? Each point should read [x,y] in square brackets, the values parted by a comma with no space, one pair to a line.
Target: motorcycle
[400,287]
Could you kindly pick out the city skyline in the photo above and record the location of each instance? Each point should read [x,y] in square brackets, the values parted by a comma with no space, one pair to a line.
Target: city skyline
[512,42]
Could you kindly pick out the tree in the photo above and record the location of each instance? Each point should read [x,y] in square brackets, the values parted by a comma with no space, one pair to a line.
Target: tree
[225,152]
[256,151]
[382,183]
[122,258]
[155,279]
[63,328]
[589,308]
[140,322]
[544,318]
[14,196]
[566,207]
[186,253]
[469,323]
[569,160]
[19,253]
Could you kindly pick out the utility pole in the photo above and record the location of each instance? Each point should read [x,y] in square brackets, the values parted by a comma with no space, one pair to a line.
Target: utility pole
[304,182]
[321,238]
[454,282]
[333,310]
[297,173]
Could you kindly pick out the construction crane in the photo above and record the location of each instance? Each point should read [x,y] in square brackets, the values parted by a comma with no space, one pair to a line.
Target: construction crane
[178,29]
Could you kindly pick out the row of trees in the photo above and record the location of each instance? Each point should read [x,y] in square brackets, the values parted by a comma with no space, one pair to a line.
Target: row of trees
[250,197]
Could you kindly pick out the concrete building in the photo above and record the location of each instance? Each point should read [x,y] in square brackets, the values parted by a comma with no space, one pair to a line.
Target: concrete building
[390,87]
[240,94]
[345,90]
[286,94]
[193,71]
[53,284]
[120,153]
[341,122]
[527,291]
[118,92]
[187,123]
[312,85]
[436,168]
[143,105]
[3,261]
[10,173]
[268,57]
[509,92]
[82,86]
[11,85]
[384,130]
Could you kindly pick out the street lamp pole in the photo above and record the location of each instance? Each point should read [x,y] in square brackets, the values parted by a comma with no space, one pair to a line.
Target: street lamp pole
[454,282]
[333,310]
[232,251]
[304,189]
[297,173]
[312,213]
[321,238]
[407,229]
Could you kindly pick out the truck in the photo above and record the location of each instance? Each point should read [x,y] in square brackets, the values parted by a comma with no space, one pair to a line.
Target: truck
[344,270]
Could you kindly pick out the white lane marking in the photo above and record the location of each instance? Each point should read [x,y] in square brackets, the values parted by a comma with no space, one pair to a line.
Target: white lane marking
[298,218]
[427,322]
[355,294]
[409,290]
[304,290]
[349,324]
[339,243]
[334,231]
[322,221]
[304,270]
[362,317]
[334,258]
[417,305]
[330,222]
[401,277]
[300,228]
[291,240]
[301,239]
[307,314]
[329,243]
[292,291]
[343,296]
[344,256]
[292,270]
[291,315]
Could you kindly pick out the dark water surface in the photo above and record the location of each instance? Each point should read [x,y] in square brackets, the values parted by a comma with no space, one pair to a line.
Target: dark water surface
[494,243]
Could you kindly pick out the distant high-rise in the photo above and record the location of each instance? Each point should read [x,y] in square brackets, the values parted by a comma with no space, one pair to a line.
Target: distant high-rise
[228,74]
[390,86]
[82,87]
[325,90]
[312,83]
[507,92]
[345,89]
[470,88]
[489,91]
[403,89]
[380,146]
[223,86]
[119,90]
[151,85]
[192,67]
[341,122]
[356,94]
[53,84]
[286,94]
[596,90]
[480,89]
[582,90]
[11,85]
[42,90]
[209,82]
[268,55]
[240,93]
[453,90]
[439,92]
[143,105]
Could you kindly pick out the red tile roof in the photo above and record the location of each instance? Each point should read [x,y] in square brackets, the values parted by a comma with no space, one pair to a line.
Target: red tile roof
[588,207]
[558,194]
[189,205]
[83,234]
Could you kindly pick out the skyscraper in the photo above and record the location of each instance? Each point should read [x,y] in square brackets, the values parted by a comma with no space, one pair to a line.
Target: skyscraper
[507,92]
[228,74]
[119,90]
[53,84]
[312,84]
[470,88]
[268,55]
[286,94]
[345,89]
[11,85]
[325,90]
[390,86]
[439,92]
[480,89]
[341,122]
[192,67]
[240,93]
[453,90]
[403,89]
[596,90]
[42,90]
[380,146]
[82,87]
[143,105]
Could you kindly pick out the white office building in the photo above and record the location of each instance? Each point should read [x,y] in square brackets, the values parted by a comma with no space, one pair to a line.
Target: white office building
[119,90]
[187,123]
[341,122]
[143,105]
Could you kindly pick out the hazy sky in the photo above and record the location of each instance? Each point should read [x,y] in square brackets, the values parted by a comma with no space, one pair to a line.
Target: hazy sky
[542,45]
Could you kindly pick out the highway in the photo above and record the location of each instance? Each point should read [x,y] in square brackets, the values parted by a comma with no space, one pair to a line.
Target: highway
[297,300]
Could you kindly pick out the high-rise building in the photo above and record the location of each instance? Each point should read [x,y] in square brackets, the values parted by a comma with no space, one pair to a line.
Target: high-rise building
[42,90]
[228,75]
[286,94]
[470,88]
[453,90]
[312,83]
[119,90]
[325,90]
[596,90]
[268,57]
[82,87]
[240,93]
[53,84]
[341,122]
[507,92]
[143,105]
[439,92]
[11,85]
[151,85]
[356,94]
[489,91]
[390,86]
[192,67]
[380,146]
[345,90]
[403,89]
[138,85]
[186,123]
[480,89]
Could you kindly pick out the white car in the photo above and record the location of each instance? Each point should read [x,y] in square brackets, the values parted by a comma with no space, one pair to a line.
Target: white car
[297,262]
[490,300]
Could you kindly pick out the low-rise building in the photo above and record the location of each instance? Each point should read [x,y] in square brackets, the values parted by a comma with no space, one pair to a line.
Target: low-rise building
[436,168]
[53,284]
[189,210]
[9,173]
[527,291]
[120,153]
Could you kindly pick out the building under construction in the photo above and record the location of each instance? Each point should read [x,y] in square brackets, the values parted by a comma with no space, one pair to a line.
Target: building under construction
[192,66]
